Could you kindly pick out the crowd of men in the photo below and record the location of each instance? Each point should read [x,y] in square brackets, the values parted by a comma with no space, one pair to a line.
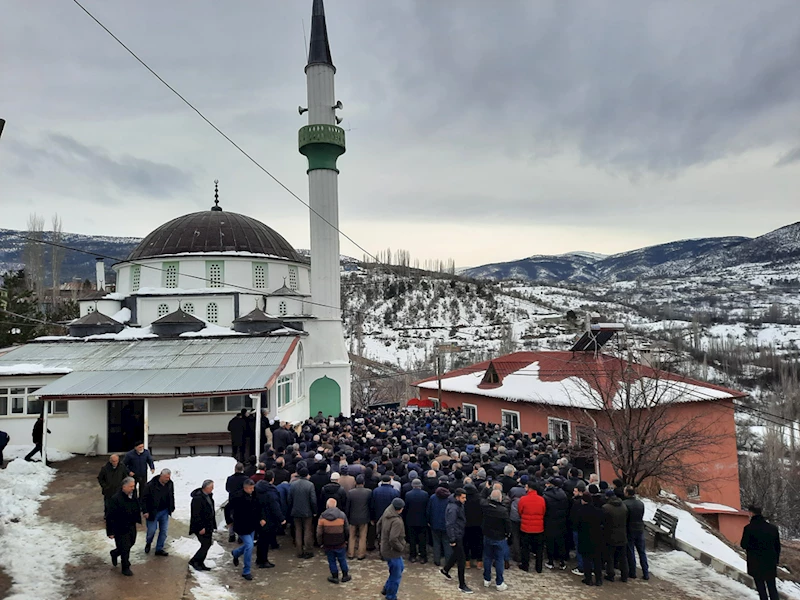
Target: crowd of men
[422,485]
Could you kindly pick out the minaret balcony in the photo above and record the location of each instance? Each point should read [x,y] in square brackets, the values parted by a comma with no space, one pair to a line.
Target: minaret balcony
[322,144]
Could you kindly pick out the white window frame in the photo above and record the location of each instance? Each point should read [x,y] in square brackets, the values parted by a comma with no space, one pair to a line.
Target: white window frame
[167,274]
[136,277]
[514,413]
[693,492]
[26,396]
[216,312]
[215,282]
[284,398]
[551,421]
[472,407]
[248,403]
[293,278]
[262,285]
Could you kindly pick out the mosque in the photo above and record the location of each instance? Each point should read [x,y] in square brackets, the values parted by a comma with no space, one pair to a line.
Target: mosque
[213,312]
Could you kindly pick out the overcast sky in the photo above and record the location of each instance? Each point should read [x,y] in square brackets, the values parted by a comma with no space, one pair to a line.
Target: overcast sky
[477,130]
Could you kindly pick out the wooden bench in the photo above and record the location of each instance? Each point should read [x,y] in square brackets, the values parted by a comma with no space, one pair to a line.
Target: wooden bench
[664,526]
[191,441]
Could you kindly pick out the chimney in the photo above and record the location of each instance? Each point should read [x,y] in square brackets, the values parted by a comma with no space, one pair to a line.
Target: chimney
[100,267]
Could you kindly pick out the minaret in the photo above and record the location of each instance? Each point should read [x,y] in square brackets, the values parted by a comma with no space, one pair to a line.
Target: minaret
[322,142]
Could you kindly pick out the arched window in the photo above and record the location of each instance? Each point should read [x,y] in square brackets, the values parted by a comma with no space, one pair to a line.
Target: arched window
[292,278]
[260,276]
[188,308]
[212,312]
[163,309]
[170,270]
[282,309]
[136,272]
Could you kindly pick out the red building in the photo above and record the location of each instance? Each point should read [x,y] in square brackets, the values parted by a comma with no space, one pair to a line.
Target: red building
[579,398]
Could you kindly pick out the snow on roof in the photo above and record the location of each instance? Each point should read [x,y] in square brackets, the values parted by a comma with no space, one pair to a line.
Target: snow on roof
[211,330]
[31,369]
[576,379]
[711,506]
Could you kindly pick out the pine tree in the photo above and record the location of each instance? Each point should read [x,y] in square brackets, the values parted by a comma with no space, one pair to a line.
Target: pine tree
[18,319]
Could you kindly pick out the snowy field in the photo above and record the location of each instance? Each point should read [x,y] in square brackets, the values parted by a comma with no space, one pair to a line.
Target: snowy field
[13,451]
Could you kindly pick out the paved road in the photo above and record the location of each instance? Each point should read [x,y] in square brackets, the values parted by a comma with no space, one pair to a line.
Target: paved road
[74,500]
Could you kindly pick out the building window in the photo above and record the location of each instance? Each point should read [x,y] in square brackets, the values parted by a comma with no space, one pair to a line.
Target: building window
[693,491]
[188,308]
[510,419]
[23,401]
[260,276]
[292,278]
[163,310]
[559,430]
[136,274]
[470,411]
[170,274]
[89,309]
[215,273]
[284,391]
[217,404]
[212,312]
[282,311]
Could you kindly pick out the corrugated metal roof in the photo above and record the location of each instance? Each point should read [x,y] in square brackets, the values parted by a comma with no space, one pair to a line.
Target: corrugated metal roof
[185,367]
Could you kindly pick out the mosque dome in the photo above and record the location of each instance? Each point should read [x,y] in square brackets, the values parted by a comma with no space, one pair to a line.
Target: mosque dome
[213,231]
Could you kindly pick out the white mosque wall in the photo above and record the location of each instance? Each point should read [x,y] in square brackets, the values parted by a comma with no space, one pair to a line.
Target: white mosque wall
[107,307]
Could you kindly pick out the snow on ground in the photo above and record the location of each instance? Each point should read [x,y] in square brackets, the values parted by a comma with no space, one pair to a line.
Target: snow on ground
[188,547]
[27,541]
[13,451]
[691,531]
[690,575]
[188,474]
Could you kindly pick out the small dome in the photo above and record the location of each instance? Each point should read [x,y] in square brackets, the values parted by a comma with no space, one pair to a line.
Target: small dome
[94,323]
[215,231]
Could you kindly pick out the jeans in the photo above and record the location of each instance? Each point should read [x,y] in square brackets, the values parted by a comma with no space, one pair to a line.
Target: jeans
[339,554]
[578,556]
[303,535]
[460,558]
[441,547]
[162,523]
[245,549]
[418,541]
[636,545]
[358,533]
[494,551]
[205,543]
[530,541]
[764,585]
[395,575]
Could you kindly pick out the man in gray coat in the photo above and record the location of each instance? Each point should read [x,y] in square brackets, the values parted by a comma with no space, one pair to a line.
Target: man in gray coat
[358,504]
[302,508]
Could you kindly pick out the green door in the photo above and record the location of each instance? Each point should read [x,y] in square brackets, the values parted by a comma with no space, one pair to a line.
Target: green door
[326,396]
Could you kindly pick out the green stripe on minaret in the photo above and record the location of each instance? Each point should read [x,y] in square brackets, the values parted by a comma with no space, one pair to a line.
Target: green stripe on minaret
[322,145]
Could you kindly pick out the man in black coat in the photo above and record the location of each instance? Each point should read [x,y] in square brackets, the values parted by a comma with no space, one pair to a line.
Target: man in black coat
[761,540]
[589,524]
[270,501]
[233,484]
[4,439]
[158,503]
[238,428]
[247,517]
[38,436]
[110,480]
[203,522]
[332,490]
[123,515]
[555,522]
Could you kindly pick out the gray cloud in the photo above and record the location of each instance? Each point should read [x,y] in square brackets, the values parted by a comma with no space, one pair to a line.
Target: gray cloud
[789,158]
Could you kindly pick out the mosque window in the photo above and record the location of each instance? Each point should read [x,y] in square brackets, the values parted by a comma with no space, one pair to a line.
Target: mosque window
[260,276]
[510,419]
[188,308]
[136,273]
[163,309]
[170,274]
[215,273]
[282,311]
[292,278]
[90,309]
[284,386]
[212,312]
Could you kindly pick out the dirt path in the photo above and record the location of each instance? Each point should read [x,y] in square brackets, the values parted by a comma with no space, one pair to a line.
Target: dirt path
[75,500]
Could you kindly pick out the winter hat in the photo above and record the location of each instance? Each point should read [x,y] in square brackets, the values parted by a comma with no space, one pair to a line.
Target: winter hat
[593,489]
[398,503]
[416,484]
[334,476]
[412,475]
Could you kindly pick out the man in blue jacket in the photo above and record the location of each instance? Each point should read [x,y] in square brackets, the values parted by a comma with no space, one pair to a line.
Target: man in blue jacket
[417,521]
[137,461]
[269,499]
[437,505]
[382,497]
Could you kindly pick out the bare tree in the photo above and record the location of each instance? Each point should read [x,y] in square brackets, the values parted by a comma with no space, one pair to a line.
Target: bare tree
[33,254]
[635,415]
[56,257]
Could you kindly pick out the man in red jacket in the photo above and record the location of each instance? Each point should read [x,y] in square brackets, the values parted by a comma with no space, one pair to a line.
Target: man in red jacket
[531,509]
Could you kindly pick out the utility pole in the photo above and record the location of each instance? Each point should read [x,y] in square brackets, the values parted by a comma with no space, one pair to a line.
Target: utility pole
[439,377]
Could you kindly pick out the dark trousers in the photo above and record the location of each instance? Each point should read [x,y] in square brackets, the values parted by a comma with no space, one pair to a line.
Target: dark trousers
[238,452]
[556,549]
[636,545]
[473,543]
[459,557]
[36,448]
[418,541]
[593,563]
[515,536]
[617,555]
[106,500]
[205,543]
[124,542]
[764,585]
[528,542]
[3,445]
[266,538]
